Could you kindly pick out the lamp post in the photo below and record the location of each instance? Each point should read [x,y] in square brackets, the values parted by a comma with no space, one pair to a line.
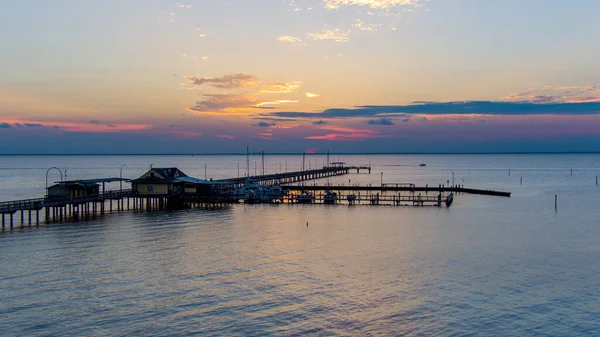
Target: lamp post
[279,161]
[121,179]
[238,163]
[381,179]
[452,178]
[286,166]
[61,176]
[204,170]
[255,168]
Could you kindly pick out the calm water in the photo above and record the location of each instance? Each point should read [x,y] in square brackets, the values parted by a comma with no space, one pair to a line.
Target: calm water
[486,266]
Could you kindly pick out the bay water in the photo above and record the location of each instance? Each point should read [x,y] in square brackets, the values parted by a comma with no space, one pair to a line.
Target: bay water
[487,266]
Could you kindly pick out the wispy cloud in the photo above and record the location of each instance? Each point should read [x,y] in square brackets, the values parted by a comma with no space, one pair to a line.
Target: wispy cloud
[287,38]
[361,25]
[227,81]
[334,34]
[311,95]
[338,133]
[373,4]
[382,121]
[556,94]
[243,80]
[320,122]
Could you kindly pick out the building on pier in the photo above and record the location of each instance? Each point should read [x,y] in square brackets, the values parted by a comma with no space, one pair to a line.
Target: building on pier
[73,189]
[170,182]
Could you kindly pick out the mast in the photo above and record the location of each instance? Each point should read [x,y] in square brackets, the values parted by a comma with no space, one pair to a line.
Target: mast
[303,159]
[248,161]
[263,163]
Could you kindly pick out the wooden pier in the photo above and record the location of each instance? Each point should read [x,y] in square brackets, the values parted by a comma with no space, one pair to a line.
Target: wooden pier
[298,176]
[395,188]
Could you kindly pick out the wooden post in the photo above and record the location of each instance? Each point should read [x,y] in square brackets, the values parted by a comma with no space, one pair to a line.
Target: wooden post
[555,202]
[521,180]
[29,217]
[37,216]
[3,221]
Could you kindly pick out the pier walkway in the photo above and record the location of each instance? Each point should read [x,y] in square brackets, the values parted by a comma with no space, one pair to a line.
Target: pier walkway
[297,176]
[395,188]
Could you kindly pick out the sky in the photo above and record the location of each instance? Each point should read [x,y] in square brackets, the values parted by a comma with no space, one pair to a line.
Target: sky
[215,76]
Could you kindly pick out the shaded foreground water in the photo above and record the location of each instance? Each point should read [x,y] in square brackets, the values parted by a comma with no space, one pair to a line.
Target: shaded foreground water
[486,266]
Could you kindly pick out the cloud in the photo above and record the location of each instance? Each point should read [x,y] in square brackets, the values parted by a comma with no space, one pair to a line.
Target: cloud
[453,108]
[320,122]
[373,4]
[291,39]
[32,125]
[227,81]
[361,25]
[247,91]
[243,80]
[230,137]
[219,102]
[5,126]
[382,121]
[311,95]
[344,134]
[95,121]
[335,34]
[264,124]
[556,94]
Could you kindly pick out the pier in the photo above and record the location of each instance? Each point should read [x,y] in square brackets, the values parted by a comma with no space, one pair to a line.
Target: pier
[299,176]
[162,189]
[407,187]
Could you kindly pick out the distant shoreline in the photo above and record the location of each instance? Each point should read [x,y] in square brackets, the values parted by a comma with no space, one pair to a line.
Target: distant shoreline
[292,154]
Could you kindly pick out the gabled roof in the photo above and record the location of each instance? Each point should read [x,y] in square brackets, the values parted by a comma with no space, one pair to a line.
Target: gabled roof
[160,175]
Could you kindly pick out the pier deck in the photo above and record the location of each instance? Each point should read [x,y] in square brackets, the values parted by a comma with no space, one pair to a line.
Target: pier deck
[297,176]
[395,188]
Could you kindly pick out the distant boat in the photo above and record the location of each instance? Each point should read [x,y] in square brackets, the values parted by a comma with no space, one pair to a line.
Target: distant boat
[330,198]
[305,198]
[422,165]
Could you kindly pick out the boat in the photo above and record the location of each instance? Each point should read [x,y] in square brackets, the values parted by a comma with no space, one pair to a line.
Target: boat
[305,198]
[449,199]
[254,193]
[422,165]
[330,198]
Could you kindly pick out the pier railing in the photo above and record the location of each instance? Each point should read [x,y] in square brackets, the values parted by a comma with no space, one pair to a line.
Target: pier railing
[39,203]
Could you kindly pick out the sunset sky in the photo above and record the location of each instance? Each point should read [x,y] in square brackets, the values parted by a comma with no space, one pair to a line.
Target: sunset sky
[212,76]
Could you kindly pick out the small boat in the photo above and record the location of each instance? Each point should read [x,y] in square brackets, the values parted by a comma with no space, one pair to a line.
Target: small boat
[330,198]
[305,198]
[422,165]
[449,199]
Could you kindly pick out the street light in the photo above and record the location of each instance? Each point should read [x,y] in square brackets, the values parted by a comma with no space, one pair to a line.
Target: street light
[204,170]
[238,163]
[121,178]
[452,178]
[61,176]
[381,179]
[255,174]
